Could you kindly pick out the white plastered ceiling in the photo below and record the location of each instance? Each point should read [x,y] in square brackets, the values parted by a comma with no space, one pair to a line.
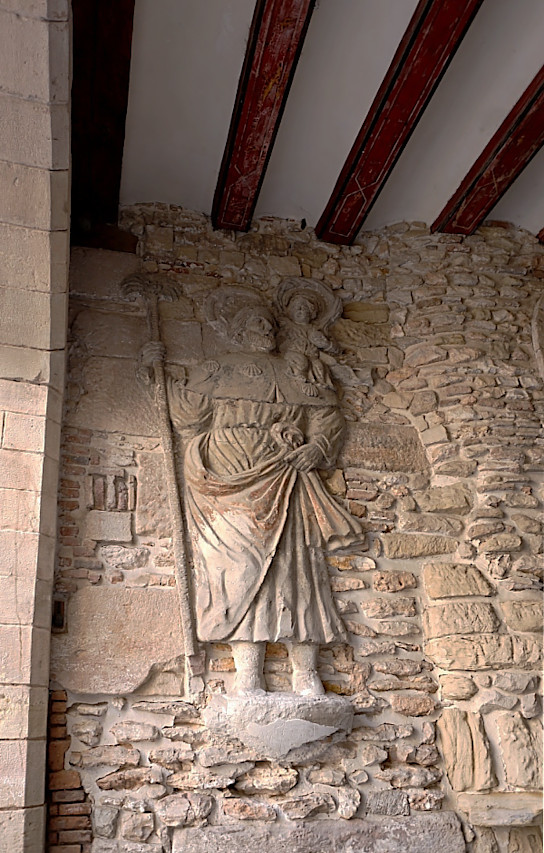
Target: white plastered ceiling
[186,61]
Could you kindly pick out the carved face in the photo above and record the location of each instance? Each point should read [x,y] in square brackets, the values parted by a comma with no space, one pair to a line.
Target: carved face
[258,333]
[302,309]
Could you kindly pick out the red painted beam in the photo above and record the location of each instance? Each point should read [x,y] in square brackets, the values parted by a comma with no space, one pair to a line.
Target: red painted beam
[275,41]
[433,35]
[507,153]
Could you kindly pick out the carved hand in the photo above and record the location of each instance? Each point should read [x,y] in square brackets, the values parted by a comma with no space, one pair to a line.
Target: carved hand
[151,352]
[305,458]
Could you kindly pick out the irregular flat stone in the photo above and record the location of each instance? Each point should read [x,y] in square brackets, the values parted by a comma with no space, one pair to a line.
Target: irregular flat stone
[454,499]
[466,751]
[521,750]
[411,705]
[348,802]
[457,687]
[88,732]
[307,805]
[408,775]
[384,448]
[501,809]
[485,841]
[388,803]
[460,617]
[399,546]
[421,522]
[86,660]
[128,731]
[105,821]
[267,779]
[171,757]
[525,840]
[381,608]
[446,580]
[243,809]
[393,581]
[523,615]
[485,651]
[276,723]
[183,712]
[110,756]
[421,833]
[130,779]
[137,826]
[184,809]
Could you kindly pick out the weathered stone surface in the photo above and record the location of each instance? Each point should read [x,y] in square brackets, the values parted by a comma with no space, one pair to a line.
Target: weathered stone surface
[172,757]
[307,805]
[108,526]
[242,809]
[370,754]
[137,827]
[485,841]
[515,682]
[151,516]
[422,522]
[485,651]
[424,833]
[124,558]
[388,803]
[457,687]
[85,660]
[454,499]
[327,776]
[393,581]
[348,802]
[399,546]
[523,615]
[525,840]
[424,799]
[111,756]
[411,705]
[184,809]
[385,732]
[275,724]
[466,750]
[131,779]
[502,543]
[89,709]
[501,809]
[384,448]
[105,821]
[492,700]
[129,731]
[222,776]
[183,712]
[87,731]
[408,776]
[460,617]
[381,608]
[446,580]
[267,779]
[521,750]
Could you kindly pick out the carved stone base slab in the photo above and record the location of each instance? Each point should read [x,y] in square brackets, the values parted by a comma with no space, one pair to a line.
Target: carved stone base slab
[421,833]
[275,724]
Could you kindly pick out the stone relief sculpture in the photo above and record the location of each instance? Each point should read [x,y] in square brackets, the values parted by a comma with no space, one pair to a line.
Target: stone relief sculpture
[257,425]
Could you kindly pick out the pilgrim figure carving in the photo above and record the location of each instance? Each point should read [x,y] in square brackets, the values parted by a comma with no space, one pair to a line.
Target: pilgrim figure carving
[259,517]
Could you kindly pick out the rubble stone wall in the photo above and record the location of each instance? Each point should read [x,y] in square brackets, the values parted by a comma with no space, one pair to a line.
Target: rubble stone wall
[443,463]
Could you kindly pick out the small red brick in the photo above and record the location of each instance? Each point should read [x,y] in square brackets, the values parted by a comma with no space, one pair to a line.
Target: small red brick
[54,810]
[59,706]
[57,732]
[70,822]
[57,719]
[74,808]
[64,780]
[75,836]
[59,696]
[76,795]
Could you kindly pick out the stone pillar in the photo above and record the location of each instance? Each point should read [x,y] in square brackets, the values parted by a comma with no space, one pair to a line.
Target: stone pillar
[34,219]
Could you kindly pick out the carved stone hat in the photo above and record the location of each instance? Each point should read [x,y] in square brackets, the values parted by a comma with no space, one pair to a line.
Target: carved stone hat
[229,307]
[328,306]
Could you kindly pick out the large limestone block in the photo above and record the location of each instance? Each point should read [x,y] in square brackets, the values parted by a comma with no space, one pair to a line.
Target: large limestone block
[113,399]
[523,615]
[384,448]
[466,752]
[152,515]
[502,809]
[275,724]
[43,133]
[20,785]
[36,260]
[35,198]
[521,750]
[23,830]
[47,77]
[420,833]
[115,637]
[98,273]
[409,545]
[446,580]
[460,617]
[485,651]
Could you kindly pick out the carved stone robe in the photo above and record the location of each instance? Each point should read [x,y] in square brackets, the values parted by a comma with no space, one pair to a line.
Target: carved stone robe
[259,528]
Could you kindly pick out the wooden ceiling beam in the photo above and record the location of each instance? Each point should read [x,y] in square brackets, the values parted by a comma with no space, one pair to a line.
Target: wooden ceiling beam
[433,35]
[275,41]
[505,156]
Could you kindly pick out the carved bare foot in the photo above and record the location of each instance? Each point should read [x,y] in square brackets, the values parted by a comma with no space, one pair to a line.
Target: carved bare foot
[248,660]
[306,681]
